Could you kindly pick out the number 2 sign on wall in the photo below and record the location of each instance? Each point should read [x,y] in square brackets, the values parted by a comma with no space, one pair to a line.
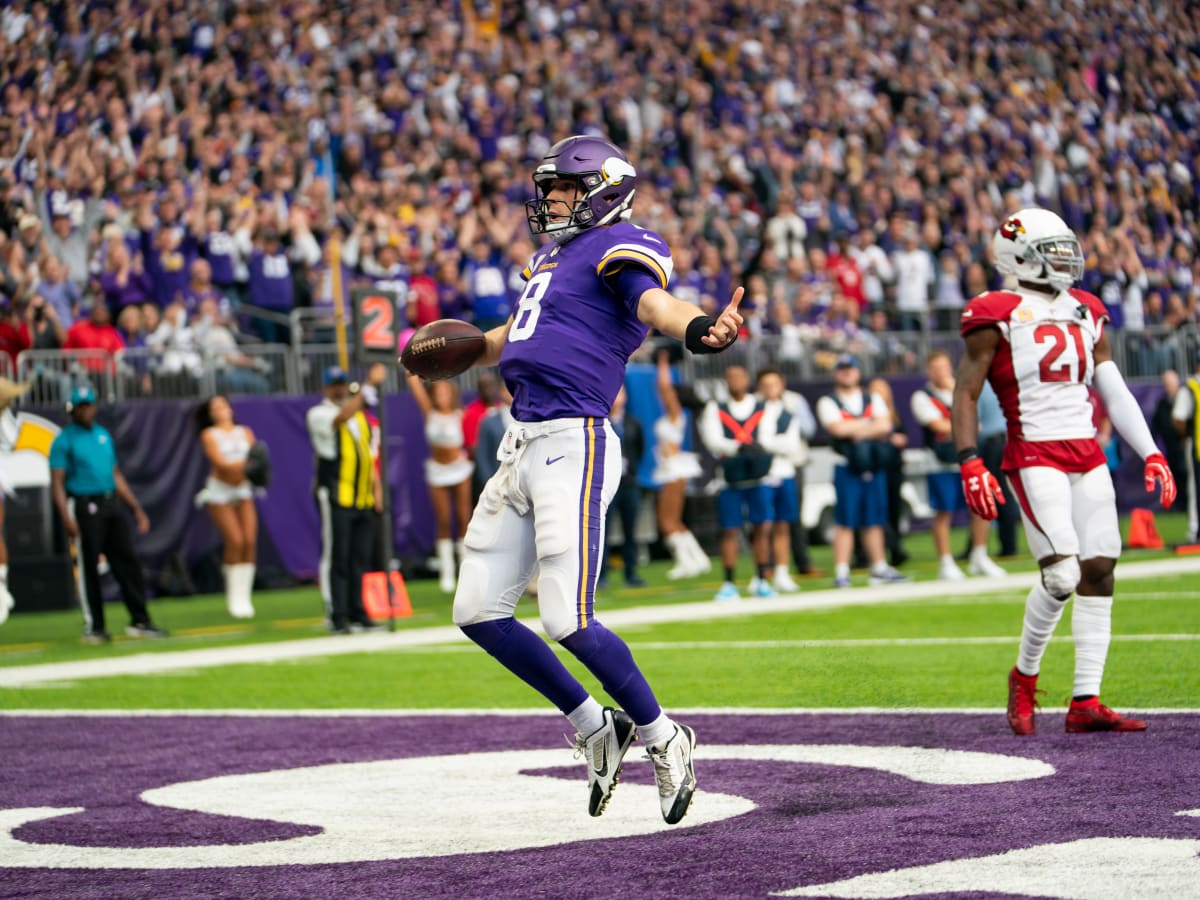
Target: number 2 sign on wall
[375,329]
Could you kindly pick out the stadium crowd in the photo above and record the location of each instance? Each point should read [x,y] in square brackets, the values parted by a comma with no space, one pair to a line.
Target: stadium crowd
[847,162]
[165,163]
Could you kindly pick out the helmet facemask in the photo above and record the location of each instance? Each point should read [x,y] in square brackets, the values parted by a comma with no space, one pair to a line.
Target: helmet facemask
[561,219]
[1060,260]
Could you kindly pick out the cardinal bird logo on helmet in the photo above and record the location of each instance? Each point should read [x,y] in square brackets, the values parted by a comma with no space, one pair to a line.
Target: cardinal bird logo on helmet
[1011,228]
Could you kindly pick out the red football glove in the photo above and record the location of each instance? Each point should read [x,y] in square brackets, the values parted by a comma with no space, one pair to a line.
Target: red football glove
[982,490]
[1157,472]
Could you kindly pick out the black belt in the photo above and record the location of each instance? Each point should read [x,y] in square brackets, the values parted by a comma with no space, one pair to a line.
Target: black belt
[111,495]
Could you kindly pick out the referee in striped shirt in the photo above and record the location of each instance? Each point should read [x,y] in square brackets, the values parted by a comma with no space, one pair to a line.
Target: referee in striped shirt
[348,496]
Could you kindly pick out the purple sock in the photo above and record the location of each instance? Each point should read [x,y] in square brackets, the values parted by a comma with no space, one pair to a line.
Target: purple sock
[530,658]
[608,658]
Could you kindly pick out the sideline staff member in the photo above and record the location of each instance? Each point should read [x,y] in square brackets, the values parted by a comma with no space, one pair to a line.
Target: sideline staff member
[348,494]
[9,429]
[86,484]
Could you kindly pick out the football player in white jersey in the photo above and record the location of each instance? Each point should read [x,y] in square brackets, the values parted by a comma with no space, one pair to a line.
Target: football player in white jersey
[1040,346]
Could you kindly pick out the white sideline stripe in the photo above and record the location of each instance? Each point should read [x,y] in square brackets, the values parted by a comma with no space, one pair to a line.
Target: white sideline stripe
[336,645]
[541,711]
[832,642]
[878,642]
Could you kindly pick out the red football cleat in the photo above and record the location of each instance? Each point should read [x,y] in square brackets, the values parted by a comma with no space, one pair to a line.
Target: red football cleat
[1092,715]
[1022,700]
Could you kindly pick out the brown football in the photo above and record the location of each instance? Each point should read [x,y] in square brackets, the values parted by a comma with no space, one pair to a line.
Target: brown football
[443,349]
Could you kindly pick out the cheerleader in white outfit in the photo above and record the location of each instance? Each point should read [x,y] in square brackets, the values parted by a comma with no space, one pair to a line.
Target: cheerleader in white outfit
[229,498]
[448,471]
[674,467]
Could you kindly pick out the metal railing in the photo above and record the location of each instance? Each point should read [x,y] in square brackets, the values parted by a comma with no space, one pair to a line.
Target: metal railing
[813,357]
[53,373]
[254,368]
[315,325]
[1148,353]
[142,372]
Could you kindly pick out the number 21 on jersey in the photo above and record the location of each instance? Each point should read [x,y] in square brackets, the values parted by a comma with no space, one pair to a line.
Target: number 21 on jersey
[1061,362]
[529,307]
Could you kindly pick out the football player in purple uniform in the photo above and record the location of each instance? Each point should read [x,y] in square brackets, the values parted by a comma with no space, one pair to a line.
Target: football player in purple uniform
[591,295]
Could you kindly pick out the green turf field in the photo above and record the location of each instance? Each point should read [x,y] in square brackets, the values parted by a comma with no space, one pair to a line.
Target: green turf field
[950,649]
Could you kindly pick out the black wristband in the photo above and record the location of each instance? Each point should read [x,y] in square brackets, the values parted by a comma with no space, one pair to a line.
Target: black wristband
[967,453]
[698,328]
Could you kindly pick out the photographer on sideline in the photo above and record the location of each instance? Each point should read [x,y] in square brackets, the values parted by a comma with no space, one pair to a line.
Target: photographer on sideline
[348,495]
[857,422]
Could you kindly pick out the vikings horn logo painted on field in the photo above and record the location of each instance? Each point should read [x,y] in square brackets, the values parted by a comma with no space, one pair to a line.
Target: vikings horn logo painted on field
[1011,228]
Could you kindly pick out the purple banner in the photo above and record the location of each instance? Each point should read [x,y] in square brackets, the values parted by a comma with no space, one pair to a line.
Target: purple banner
[158,450]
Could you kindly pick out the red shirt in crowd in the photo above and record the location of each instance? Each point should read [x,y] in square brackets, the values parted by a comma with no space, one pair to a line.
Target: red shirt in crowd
[423,305]
[84,335]
[13,340]
[845,270]
[473,414]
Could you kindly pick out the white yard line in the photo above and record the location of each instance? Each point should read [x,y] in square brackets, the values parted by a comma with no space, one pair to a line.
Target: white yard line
[834,642]
[536,711]
[173,661]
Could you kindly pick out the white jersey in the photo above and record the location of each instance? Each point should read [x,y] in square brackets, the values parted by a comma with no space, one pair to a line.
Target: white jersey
[1041,373]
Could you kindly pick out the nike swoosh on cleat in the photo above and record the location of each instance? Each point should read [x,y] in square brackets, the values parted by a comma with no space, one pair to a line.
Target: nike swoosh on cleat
[602,769]
[551,462]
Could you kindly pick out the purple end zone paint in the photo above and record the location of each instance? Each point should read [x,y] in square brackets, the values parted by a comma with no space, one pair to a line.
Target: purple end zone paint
[813,823]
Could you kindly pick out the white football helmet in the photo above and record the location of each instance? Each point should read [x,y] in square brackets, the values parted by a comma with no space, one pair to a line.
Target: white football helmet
[1035,245]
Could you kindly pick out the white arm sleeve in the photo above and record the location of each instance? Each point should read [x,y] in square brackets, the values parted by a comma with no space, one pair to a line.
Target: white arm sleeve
[1123,409]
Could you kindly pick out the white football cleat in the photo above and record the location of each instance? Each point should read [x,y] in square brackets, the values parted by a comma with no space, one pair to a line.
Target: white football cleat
[674,773]
[604,749]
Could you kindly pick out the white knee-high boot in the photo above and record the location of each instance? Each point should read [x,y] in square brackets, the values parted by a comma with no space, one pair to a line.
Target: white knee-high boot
[245,580]
[231,604]
[684,567]
[447,577]
[700,560]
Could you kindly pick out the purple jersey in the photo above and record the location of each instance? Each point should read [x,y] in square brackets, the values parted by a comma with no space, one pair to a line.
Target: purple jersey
[168,269]
[571,336]
[221,252]
[270,281]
